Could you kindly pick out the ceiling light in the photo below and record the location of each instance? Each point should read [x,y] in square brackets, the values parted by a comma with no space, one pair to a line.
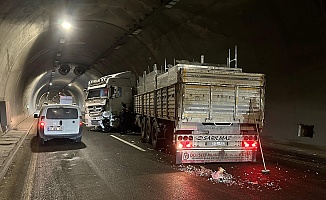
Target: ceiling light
[69,84]
[138,30]
[171,3]
[50,83]
[66,25]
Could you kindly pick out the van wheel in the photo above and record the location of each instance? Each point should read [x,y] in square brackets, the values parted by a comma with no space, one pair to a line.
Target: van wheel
[40,140]
[78,140]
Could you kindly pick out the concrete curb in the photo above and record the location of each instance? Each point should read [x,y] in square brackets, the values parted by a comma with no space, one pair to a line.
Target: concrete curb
[9,159]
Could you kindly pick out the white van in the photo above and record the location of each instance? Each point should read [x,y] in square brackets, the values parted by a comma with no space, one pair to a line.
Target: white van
[59,121]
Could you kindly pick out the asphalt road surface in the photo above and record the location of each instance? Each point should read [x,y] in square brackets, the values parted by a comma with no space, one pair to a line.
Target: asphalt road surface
[114,166]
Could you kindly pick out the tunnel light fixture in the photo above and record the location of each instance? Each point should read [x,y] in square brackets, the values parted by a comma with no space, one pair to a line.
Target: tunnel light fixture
[117,47]
[50,84]
[137,31]
[66,25]
[69,84]
[171,3]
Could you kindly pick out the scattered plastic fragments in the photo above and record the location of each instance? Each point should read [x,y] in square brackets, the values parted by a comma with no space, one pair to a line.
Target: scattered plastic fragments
[202,171]
[222,177]
[219,176]
[250,179]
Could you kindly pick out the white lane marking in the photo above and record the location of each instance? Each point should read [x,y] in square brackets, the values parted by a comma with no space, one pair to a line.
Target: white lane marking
[28,186]
[127,143]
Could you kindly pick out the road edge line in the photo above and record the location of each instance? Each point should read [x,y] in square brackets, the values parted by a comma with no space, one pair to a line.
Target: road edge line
[130,144]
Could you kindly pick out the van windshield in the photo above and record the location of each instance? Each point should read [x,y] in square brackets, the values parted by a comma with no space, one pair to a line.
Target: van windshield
[62,113]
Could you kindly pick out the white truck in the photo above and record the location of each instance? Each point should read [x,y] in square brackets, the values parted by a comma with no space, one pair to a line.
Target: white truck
[107,94]
[202,112]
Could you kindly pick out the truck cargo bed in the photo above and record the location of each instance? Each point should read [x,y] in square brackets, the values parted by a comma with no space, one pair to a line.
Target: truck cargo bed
[203,94]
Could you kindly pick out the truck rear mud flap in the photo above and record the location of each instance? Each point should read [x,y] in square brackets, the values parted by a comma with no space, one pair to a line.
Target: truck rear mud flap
[209,156]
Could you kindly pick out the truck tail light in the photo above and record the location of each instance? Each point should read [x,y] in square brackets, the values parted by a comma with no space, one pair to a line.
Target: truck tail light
[184,141]
[249,143]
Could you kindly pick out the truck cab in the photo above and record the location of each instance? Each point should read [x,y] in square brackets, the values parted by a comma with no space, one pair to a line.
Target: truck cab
[107,94]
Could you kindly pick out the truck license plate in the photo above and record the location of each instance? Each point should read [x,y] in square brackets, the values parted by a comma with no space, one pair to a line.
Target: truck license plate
[216,143]
[95,122]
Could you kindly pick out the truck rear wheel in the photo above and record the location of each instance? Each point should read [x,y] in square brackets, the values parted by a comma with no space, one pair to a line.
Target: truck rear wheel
[143,130]
[148,131]
[156,134]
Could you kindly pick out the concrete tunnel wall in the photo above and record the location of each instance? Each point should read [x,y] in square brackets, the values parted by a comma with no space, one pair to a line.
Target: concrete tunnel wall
[284,40]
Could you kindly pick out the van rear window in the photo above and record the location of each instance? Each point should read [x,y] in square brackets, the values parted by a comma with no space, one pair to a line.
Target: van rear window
[62,113]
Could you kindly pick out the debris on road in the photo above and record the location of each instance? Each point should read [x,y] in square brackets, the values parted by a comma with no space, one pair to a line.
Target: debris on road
[219,176]
[250,179]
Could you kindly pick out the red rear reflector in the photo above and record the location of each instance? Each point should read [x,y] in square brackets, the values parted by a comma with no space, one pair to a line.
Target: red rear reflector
[184,144]
[246,144]
[42,124]
[249,143]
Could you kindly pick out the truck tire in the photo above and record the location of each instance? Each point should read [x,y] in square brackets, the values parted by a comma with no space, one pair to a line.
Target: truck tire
[143,130]
[155,135]
[169,135]
[148,131]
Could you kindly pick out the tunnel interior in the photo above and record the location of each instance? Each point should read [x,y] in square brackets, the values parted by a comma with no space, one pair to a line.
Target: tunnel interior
[285,40]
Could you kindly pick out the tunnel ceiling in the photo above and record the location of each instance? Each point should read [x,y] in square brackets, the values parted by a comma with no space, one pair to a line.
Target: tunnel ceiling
[113,36]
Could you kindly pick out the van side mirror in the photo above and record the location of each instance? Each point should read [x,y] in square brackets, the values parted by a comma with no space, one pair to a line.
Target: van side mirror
[36,115]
